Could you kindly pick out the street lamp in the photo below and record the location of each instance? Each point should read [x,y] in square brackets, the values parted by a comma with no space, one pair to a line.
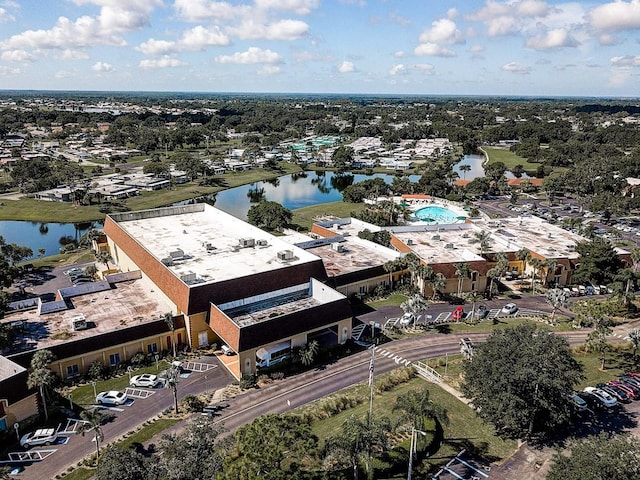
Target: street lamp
[71,401]
[93,384]
[16,426]
[412,448]
[129,370]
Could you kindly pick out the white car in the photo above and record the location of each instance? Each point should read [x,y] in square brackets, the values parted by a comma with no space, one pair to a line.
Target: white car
[510,308]
[145,380]
[603,397]
[43,436]
[406,319]
[75,271]
[112,397]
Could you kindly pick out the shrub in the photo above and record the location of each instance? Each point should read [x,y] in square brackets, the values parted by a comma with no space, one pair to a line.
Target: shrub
[96,370]
[138,360]
[192,403]
[247,381]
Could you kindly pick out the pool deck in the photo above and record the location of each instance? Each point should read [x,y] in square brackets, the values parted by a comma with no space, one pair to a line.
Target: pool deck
[418,202]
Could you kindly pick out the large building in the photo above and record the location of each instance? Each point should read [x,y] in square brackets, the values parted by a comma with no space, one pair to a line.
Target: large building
[232,282]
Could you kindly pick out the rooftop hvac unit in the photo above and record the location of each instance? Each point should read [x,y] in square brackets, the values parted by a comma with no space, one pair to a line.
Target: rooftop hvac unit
[262,243]
[247,242]
[209,247]
[177,253]
[168,261]
[449,245]
[285,255]
[465,235]
[409,241]
[337,247]
[435,237]
[188,277]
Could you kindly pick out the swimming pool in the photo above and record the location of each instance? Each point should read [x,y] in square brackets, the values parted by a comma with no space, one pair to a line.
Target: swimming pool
[437,214]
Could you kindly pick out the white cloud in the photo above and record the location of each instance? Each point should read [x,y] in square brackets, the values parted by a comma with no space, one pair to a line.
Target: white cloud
[202,10]
[400,54]
[7,71]
[433,50]
[269,70]
[507,18]
[251,56]
[557,38]
[60,74]
[423,68]
[200,37]
[442,32]
[346,67]
[398,69]
[516,68]
[619,77]
[398,19]
[607,39]
[616,16]
[163,62]
[70,54]
[157,47]
[476,48]
[300,7]
[19,56]
[452,13]
[102,67]
[280,30]
[5,16]
[627,61]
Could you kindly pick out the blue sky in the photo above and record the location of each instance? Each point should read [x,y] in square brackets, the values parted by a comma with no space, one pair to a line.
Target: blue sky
[466,47]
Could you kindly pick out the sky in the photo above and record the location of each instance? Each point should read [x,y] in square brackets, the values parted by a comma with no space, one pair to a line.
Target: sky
[413,47]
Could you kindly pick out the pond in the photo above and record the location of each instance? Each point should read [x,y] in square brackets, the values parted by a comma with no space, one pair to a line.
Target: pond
[36,235]
[292,191]
[475,163]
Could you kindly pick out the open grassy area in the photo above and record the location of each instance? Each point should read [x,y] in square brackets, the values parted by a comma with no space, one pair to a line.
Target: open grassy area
[391,301]
[147,432]
[33,210]
[80,473]
[305,217]
[509,158]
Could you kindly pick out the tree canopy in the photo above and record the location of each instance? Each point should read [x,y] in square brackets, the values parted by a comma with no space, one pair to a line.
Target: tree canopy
[269,215]
[518,380]
[614,457]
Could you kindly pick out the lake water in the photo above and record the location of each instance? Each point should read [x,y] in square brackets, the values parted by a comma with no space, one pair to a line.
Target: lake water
[36,235]
[475,162]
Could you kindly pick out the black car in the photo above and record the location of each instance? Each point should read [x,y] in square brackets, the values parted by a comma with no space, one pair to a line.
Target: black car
[592,402]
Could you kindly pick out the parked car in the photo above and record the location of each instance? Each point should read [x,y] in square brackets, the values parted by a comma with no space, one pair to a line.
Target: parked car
[74,271]
[603,397]
[510,308]
[42,436]
[630,380]
[145,380]
[112,397]
[458,313]
[631,391]
[406,319]
[578,402]
[482,311]
[592,402]
[615,392]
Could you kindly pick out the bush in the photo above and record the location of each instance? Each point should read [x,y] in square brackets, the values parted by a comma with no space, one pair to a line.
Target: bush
[192,403]
[247,381]
[96,371]
[139,360]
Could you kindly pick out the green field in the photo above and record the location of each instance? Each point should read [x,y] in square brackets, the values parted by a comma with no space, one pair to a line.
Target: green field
[509,158]
[305,217]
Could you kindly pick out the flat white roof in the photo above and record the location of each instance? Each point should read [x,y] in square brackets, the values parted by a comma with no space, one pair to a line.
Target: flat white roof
[211,242]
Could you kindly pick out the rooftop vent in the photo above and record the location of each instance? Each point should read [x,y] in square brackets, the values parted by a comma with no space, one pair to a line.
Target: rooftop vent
[209,247]
[337,247]
[435,237]
[261,243]
[409,241]
[188,277]
[247,242]
[168,261]
[449,245]
[465,235]
[285,255]
[177,254]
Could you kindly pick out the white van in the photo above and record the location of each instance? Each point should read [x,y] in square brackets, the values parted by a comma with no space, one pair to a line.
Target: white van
[226,350]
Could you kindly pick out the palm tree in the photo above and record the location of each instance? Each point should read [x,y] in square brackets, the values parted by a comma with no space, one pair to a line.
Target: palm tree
[437,282]
[483,239]
[414,305]
[169,320]
[523,255]
[556,297]
[416,407]
[92,422]
[464,169]
[307,354]
[474,297]
[462,271]
[391,267]
[103,256]
[549,265]
[492,274]
[536,264]
[41,376]
[173,378]
[634,337]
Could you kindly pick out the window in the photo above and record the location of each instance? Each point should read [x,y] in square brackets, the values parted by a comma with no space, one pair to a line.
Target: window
[363,290]
[152,348]
[203,339]
[114,359]
[72,371]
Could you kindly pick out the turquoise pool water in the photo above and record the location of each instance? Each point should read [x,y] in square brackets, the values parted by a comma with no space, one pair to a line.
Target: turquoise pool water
[437,214]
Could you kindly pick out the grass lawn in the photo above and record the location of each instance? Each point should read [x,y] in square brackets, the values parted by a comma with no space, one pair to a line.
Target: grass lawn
[509,158]
[83,394]
[305,217]
[80,473]
[147,432]
[391,301]
[41,211]
[62,259]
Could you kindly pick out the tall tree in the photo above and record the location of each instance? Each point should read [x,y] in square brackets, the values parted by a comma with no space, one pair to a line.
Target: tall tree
[519,378]
[41,377]
[416,408]
[269,215]
[462,271]
[171,324]
[92,422]
[523,255]
[196,453]
[557,298]
[634,337]
[123,465]
[277,447]
[483,239]
[614,457]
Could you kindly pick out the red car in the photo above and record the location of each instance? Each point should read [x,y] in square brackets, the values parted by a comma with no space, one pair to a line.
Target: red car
[457,314]
[631,391]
